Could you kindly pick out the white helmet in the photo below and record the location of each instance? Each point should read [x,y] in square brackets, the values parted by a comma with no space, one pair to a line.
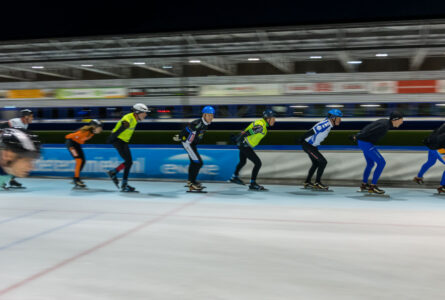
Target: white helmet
[140,108]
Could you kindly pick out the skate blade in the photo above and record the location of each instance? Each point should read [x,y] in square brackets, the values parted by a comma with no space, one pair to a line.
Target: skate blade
[197,192]
[204,187]
[377,195]
[317,190]
[79,188]
[16,187]
[129,191]
[264,190]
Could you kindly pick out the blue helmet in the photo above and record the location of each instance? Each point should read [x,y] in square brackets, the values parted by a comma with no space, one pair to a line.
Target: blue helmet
[208,110]
[268,113]
[333,113]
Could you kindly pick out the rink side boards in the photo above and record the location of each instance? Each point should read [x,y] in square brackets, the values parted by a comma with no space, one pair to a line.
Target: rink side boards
[278,162]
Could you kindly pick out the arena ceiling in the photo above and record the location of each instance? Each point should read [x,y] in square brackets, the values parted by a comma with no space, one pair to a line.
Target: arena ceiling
[222,52]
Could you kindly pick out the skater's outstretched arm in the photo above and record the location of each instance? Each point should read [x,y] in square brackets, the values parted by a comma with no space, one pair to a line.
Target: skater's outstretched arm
[254,130]
[112,138]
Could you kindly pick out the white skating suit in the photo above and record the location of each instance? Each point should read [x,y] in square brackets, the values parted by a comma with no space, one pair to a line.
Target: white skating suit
[321,131]
[17,123]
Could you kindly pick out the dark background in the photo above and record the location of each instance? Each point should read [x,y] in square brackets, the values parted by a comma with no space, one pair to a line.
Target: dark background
[31,20]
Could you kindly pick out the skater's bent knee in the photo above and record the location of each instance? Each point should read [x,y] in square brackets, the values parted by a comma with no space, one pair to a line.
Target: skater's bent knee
[381,163]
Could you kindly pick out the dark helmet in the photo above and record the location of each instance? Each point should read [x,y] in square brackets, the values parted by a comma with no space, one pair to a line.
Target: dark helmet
[268,113]
[96,123]
[20,142]
[395,115]
[25,112]
[334,113]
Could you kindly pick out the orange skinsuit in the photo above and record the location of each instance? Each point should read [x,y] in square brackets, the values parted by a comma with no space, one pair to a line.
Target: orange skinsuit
[73,142]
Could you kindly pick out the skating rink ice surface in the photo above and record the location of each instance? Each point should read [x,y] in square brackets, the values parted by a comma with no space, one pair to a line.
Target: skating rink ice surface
[163,243]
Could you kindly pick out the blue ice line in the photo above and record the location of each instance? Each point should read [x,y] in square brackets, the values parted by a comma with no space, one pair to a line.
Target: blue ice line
[21,216]
[32,237]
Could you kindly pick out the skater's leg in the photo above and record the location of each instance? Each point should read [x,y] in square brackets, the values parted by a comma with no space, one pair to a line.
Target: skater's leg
[378,158]
[309,150]
[128,162]
[432,158]
[365,146]
[442,181]
[437,154]
[79,163]
[77,153]
[321,166]
[124,152]
[195,161]
[242,161]
[253,157]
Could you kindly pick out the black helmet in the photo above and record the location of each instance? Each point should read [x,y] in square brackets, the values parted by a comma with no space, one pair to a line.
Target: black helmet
[268,113]
[96,123]
[395,115]
[25,112]
[20,142]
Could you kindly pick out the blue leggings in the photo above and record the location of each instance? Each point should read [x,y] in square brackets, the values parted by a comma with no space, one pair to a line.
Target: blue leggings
[372,157]
[433,156]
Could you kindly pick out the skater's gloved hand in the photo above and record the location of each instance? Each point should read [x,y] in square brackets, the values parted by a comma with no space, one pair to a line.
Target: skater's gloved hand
[176,138]
[353,138]
[239,139]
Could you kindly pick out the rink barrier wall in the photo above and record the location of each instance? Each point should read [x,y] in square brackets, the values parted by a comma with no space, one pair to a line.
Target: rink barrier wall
[275,137]
[278,162]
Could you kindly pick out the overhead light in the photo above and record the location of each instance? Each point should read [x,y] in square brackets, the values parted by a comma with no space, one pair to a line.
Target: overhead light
[335,105]
[37,67]
[440,104]
[194,61]
[299,106]
[354,62]
[311,73]
[167,67]
[87,65]
[315,57]
[139,63]
[253,59]
[370,105]
[381,54]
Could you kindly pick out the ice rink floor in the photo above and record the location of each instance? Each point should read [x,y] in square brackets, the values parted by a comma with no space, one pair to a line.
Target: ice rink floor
[163,243]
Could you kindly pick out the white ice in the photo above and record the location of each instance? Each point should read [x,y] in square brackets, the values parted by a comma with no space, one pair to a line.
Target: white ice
[230,243]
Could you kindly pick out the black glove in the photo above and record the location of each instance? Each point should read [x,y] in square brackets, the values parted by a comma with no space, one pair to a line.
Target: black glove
[232,139]
[353,138]
[239,139]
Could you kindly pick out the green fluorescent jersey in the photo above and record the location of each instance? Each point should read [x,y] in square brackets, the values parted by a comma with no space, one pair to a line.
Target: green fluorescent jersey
[127,133]
[258,131]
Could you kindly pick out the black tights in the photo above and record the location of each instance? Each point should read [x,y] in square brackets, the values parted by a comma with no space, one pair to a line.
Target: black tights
[247,153]
[124,152]
[318,161]
[195,161]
